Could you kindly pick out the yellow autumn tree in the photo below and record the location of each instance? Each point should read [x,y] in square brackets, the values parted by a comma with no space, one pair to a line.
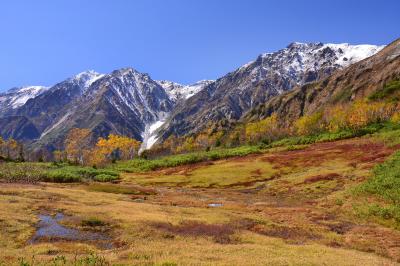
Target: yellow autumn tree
[336,117]
[2,147]
[309,124]
[202,141]
[12,148]
[77,144]
[266,129]
[59,156]
[113,148]
[363,113]
[395,118]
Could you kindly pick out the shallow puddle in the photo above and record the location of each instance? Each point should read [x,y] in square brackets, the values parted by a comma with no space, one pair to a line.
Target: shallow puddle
[49,230]
[215,205]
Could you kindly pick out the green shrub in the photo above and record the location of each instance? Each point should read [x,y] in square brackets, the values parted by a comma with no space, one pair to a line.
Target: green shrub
[21,172]
[144,165]
[387,91]
[62,176]
[105,178]
[385,184]
[386,180]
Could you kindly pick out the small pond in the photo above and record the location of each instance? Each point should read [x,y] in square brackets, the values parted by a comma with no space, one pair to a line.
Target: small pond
[49,229]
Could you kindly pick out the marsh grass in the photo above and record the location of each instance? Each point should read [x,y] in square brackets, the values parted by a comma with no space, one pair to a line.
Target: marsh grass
[384,184]
[145,165]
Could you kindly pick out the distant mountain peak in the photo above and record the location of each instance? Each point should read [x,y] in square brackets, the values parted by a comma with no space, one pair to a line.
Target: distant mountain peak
[87,78]
[17,97]
[178,92]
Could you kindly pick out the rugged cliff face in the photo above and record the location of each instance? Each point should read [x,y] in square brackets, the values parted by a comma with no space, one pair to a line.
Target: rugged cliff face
[357,81]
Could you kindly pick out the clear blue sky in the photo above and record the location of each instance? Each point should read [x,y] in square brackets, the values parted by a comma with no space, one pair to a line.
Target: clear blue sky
[45,41]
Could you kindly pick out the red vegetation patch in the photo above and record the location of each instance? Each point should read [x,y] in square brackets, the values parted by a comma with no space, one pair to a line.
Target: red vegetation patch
[383,241]
[318,178]
[184,169]
[295,235]
[355,151]
[219,232]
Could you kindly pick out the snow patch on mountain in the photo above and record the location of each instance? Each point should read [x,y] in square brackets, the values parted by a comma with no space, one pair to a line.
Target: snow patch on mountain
[349,54]
[298,58]
[150,134]
[87,78]
[178,91]
[54,126]
[17,97]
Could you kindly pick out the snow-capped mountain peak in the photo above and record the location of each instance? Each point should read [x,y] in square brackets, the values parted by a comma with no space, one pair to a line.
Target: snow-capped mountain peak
[17,97]
[299,58]
[349,54]
[178,92]
[87,78]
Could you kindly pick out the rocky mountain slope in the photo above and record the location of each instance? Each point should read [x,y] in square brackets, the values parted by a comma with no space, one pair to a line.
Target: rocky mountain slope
[130,103]
[123,102]
[358,81]
[271,74]
[16,97]
[178,92]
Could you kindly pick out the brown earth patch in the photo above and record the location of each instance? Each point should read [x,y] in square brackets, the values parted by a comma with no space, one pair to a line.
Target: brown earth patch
[183,169]
[221,233]
[318,178]
[380,240]
[256,173]
[292,234]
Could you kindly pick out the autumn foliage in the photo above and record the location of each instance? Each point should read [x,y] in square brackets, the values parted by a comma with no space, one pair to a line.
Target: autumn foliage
[80,150]
[12,150]
[334,118]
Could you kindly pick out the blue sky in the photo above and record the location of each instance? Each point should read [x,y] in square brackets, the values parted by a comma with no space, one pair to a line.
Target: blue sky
[45,41]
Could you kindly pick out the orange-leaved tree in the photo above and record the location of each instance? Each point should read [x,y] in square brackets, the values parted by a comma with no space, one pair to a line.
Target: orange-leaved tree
[115,147]
[77,143]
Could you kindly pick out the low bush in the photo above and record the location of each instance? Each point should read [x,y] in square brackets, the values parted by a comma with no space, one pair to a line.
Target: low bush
[144,165]
[21,172]
[62,176]
[385,184]
[105,178]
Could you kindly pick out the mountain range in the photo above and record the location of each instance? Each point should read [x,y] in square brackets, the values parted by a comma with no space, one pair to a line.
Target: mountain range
[131,103]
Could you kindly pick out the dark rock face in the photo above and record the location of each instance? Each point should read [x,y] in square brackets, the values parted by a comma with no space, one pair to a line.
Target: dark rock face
[18,127]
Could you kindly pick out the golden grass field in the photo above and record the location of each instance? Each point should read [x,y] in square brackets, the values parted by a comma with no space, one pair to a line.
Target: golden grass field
[282,207]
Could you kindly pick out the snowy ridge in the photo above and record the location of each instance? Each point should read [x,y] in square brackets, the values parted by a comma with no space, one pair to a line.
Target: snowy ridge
[353,53]
[298,58]
[87,78]
[17,97]
[178,91]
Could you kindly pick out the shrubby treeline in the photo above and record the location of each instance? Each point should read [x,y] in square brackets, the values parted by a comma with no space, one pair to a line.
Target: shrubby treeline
[332,119]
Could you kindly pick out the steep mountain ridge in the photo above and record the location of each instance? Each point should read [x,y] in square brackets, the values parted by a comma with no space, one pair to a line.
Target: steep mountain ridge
[16,97]
[178,92]
[358,81]
[230,97]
